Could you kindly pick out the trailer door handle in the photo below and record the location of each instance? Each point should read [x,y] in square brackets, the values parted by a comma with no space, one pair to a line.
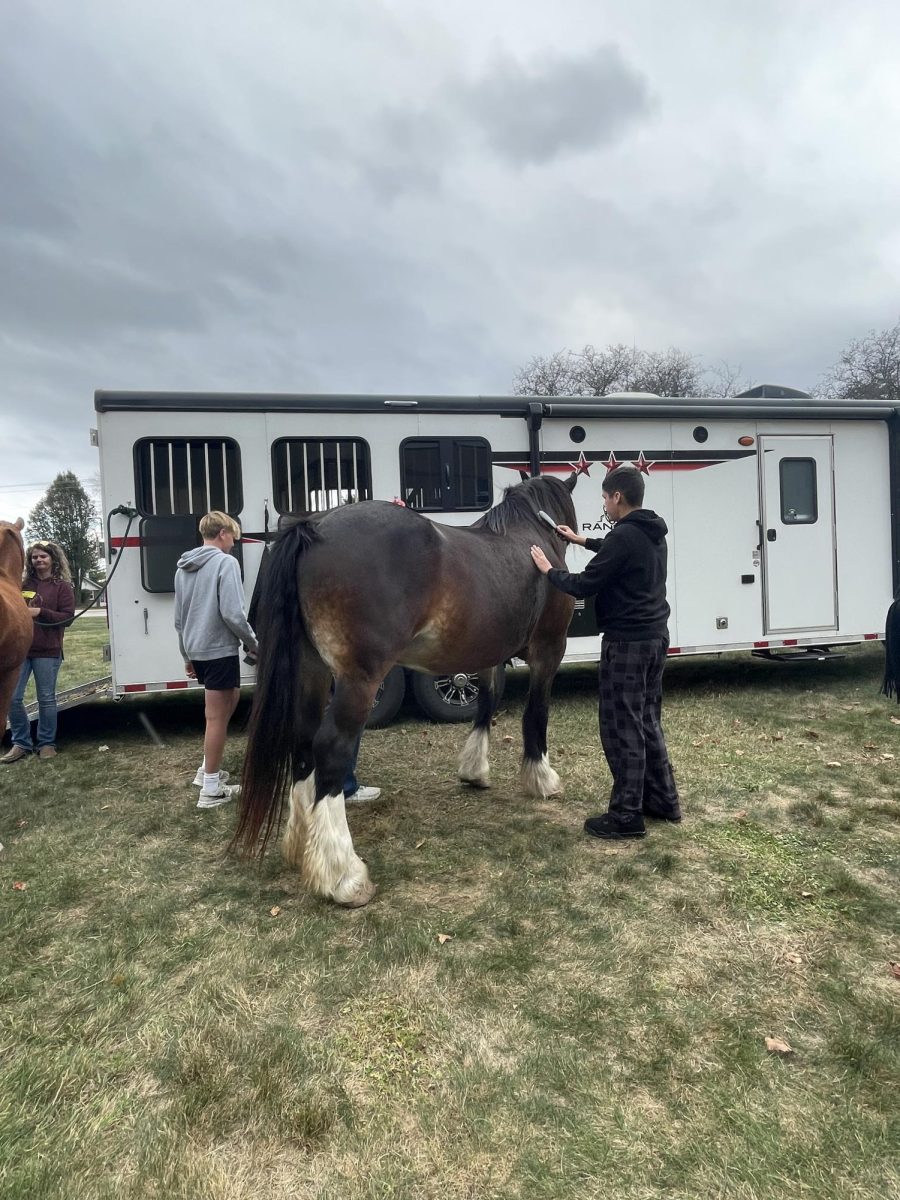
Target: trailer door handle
[771,535]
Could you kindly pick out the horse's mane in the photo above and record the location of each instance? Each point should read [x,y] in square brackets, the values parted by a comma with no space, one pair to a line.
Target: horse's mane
[526,499]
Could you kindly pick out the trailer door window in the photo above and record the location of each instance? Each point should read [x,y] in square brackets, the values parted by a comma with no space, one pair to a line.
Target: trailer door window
[441,474]
[312,474]
[799,500]
[176,477]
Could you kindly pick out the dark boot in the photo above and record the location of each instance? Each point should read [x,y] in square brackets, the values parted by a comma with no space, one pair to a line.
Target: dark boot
[662,812]
[613,825]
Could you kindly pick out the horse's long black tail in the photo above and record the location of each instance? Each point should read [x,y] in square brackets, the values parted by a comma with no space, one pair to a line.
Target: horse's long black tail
[271,738]
[891,683]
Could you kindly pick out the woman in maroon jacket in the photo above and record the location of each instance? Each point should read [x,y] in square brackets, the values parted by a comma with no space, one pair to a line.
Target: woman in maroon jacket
[47,588]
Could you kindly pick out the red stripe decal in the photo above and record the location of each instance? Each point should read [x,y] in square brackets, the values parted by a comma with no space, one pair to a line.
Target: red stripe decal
[135,687]
[117,543]
[674,650]
[761,645]
[790,642]
[871,637]
[181,683]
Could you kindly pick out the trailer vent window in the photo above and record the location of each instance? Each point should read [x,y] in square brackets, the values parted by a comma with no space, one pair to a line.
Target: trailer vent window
[446,474]
[180,476]
[312,474]
[799,500]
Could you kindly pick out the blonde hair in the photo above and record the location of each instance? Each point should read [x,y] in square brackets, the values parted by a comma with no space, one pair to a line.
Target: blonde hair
[214,522]
[59,570]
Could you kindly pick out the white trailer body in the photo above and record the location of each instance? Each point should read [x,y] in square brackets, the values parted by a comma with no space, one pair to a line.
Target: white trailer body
[781,529]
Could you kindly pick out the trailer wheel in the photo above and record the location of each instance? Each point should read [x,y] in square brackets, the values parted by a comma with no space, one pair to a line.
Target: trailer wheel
[388,699]
[450,698]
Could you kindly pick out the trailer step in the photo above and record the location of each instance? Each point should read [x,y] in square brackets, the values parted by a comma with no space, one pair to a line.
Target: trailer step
[801,654]
[95,689]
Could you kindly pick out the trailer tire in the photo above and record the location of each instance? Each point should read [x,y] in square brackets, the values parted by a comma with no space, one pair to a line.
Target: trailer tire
[388,699]
[450,699]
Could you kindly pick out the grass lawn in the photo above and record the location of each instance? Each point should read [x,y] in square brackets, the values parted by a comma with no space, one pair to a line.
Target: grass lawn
[180,1025]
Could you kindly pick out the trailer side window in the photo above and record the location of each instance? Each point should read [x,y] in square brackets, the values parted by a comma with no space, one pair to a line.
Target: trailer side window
[177,480]
[441,474]
[176,477]
[799,499]
[312,474]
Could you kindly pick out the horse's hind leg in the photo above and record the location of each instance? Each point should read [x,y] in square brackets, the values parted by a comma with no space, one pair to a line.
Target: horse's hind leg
[312,701]
[474,765]
[331,866]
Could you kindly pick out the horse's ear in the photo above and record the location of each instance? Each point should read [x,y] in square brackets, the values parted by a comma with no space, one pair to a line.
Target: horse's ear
[20,524]
[571,481]
[523,475]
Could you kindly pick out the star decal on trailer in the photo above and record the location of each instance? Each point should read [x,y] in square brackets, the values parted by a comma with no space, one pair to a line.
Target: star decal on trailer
[642,464]
[612,462]
[582,467]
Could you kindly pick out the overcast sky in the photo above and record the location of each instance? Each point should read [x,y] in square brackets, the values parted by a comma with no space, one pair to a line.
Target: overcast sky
[412,196]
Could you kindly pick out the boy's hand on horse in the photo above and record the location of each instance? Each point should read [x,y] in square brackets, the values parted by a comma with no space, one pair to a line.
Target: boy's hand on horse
[541,561]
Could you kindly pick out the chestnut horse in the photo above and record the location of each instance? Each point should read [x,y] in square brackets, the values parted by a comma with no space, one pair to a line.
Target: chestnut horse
[352,591]
[16,626]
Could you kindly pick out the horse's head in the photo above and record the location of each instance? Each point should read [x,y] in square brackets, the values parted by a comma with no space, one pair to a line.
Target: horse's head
[12,548]
[526,499]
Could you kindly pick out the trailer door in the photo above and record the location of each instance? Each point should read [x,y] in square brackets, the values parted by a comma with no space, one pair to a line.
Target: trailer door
[798,537]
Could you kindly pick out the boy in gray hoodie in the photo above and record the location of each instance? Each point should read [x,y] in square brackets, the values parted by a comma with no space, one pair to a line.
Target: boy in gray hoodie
[211,624]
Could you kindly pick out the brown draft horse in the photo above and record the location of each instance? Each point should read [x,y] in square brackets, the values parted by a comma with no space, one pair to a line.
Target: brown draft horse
[16,626]
[349,593]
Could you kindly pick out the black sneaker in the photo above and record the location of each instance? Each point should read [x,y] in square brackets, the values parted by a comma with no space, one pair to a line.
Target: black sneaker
[611,826]
[662,812]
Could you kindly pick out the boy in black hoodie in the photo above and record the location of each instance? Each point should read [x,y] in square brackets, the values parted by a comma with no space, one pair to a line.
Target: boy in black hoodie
[627,578]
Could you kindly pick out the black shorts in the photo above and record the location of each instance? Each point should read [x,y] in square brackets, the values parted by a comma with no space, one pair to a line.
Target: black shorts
[219,674]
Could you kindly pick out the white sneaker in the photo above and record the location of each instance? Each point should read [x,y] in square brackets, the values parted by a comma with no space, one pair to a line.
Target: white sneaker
[198,778]
[362,794]
[222,796]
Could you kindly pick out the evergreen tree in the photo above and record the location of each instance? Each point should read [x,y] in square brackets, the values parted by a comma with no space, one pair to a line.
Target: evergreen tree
[67,515]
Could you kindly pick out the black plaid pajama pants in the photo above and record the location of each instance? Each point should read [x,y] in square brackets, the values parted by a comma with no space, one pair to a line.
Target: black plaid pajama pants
[630,730]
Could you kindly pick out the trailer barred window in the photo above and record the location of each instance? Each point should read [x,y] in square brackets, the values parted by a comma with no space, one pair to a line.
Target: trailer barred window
[312,474]
[799,502]
[176,477]
[444,473]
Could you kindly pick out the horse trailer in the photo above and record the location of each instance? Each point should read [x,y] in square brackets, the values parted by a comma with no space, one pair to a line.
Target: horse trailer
[783,533]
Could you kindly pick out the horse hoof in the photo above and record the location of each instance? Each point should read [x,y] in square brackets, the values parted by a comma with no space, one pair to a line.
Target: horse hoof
[475,783]
[354,893]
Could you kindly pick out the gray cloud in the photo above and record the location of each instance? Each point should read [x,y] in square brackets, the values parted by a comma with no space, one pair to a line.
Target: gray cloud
[532,114]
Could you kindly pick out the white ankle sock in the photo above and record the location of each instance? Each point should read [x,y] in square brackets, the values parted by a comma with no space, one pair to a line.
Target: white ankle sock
[211,783]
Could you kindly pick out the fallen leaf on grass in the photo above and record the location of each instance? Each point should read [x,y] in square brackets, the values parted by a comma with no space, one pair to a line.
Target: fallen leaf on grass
[895,969]
[834,764]
[895,720]
[777,1046]
[806,895]
[21,824]
[275,911]
[870,746]
[887,757]
[793,958]
[739,753]
[444,937]
[419,845]
[741,815]
[777,737]
[100,749]
[697,743]
[811,733]
[507,737]
[18,886]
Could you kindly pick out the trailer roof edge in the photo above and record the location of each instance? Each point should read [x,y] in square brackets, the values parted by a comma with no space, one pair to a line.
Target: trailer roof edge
[553,406]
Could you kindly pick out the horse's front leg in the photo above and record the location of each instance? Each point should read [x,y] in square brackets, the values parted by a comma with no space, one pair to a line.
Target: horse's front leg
[474,763]
[537,777]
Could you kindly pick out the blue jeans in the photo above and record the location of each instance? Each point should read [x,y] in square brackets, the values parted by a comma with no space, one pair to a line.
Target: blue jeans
[45,671]
[350,782]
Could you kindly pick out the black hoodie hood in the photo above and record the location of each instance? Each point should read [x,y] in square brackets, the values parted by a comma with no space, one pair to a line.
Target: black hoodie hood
[648,522]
